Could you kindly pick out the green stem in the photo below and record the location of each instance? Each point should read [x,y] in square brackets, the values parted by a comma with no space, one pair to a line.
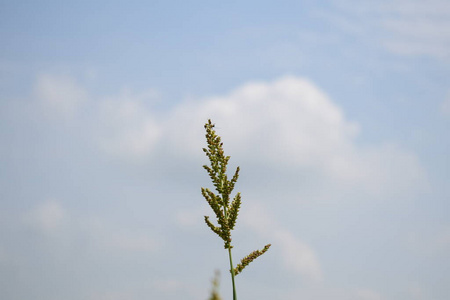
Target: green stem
[232,274]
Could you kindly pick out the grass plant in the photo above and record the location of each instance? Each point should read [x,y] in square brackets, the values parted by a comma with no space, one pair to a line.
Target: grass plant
[226,212]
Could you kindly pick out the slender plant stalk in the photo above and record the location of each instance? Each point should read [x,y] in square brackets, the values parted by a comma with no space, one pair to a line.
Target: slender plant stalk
[231,264]
[226,212]
[232,274]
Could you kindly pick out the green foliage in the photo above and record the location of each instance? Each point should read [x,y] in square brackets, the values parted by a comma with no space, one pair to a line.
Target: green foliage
[226,212]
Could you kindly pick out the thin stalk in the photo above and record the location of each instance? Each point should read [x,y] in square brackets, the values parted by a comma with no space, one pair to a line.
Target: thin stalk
[232,274]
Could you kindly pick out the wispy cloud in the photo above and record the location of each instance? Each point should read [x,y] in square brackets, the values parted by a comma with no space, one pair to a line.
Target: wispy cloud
[48,217]
[130,241]
[128,128]
[170,287]
[51,218]
[61,96]
[445,106]
[402,27]
[418,28]
[286,123]
[366,294]
[295,255]
[291,123]
[416,292]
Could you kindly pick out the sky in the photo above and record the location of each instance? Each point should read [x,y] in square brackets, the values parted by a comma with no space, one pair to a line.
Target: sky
[337,112]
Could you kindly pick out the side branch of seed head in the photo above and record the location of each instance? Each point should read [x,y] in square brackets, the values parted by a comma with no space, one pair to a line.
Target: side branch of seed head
[249,258]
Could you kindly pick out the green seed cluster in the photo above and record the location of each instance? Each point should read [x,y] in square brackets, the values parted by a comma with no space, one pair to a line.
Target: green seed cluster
[249,258]
[225,212]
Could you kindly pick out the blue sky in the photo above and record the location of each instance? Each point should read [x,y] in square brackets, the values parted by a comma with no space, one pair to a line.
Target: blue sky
[337,113]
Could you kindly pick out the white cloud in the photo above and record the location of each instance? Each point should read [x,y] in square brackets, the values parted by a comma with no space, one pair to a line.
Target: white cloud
[48,217]
[286,123]
[295,255]
[123,125]
[60,95]
[291,123]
